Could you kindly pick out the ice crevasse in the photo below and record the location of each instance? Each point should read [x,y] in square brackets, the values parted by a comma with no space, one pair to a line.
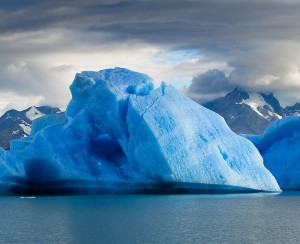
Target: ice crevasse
[121,133]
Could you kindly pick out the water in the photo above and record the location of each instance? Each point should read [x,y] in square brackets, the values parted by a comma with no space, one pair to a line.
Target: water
[244,218]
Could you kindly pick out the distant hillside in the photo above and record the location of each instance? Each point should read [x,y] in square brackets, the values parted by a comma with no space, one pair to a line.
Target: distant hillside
[250,113]
[17,124]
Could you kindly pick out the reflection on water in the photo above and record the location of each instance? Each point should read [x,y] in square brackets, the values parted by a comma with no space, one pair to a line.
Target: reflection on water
[244,218]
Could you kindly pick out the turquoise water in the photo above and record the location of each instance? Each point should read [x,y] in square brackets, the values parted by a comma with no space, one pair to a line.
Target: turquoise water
[243,218]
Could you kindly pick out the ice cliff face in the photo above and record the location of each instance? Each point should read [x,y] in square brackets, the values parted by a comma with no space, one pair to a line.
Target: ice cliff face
[119,129]
[279,146]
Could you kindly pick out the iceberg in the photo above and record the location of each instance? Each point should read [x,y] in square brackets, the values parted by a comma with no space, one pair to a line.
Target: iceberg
[119,134]
[279,145]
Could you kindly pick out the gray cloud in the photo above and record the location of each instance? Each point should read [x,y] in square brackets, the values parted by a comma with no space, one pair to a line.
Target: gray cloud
[210,82]
[184,23]
[42,42]
[209,85]
[28,78]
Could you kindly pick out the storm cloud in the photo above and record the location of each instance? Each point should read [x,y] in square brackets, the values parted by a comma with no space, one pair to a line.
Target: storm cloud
[43,43]
[209,85]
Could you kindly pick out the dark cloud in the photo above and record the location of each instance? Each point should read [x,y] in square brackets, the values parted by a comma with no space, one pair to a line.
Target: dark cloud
[209,85]
[168,22]
[257,40]
[212,81]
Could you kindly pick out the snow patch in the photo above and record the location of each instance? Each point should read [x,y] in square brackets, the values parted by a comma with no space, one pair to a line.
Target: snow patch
[256,101]
[33,113]
[26,128]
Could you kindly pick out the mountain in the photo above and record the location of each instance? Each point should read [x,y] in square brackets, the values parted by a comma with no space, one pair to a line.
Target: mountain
[250,113]
[292,110]
[16,124]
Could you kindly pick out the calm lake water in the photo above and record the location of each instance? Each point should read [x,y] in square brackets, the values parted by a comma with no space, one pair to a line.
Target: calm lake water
[240,218]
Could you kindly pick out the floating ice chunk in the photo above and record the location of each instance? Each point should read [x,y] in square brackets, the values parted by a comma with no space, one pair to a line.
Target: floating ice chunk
[279,146]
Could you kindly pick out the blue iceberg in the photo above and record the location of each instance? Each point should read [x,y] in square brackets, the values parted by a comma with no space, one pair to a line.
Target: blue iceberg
[279,145]
[119,134]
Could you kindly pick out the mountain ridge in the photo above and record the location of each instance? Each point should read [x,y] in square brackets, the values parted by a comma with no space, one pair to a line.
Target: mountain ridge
[250,112]
[16,124]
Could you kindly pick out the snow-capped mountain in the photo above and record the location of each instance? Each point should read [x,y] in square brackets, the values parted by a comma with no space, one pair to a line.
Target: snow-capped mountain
[17,124]
[250,112]
[292,110]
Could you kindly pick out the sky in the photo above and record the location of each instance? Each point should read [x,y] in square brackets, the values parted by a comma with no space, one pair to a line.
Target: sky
[204,48]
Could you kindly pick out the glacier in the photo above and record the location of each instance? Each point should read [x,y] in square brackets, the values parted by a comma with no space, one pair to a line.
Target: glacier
[279,145]
[119,134]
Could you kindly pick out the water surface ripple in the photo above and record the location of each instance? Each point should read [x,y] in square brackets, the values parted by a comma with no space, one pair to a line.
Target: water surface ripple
[237,218]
